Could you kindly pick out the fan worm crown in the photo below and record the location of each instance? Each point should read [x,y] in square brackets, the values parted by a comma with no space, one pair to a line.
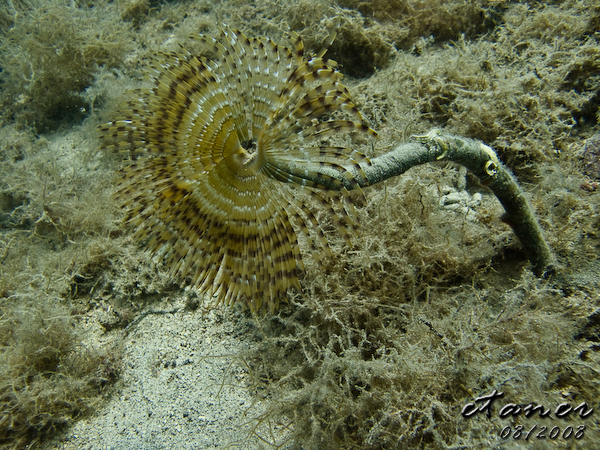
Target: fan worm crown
[209,189]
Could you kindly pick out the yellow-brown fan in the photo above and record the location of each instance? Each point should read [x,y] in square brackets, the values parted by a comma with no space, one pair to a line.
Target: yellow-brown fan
[209,187]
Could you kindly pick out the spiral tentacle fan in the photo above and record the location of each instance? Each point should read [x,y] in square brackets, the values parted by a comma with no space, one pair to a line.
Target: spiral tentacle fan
[216,151]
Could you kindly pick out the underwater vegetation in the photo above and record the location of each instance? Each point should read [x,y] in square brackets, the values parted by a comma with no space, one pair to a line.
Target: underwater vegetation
[432,306]
[49,55]
[46,381]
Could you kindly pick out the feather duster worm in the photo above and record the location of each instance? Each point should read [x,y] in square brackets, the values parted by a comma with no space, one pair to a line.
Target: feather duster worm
[210,188]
